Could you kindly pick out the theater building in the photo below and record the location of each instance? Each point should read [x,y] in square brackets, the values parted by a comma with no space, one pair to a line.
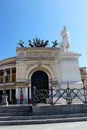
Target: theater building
[40,67]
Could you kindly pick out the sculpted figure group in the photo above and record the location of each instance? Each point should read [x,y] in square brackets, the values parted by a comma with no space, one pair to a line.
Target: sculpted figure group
[64,44]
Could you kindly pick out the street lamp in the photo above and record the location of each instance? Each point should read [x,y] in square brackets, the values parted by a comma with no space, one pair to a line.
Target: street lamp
[4,96]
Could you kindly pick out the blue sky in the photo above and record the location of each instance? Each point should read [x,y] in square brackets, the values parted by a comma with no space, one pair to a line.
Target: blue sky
[27,19]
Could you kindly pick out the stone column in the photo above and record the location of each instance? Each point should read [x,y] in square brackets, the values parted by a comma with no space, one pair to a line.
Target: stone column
[26,96]
[10,75]
[17,95]
[10,95]
[30,92]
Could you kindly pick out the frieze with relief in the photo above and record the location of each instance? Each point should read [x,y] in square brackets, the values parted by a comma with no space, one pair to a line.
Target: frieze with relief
[38,54]
[20,53]
[38,63]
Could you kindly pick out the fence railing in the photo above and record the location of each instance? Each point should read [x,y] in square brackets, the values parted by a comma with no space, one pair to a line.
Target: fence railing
[52,96]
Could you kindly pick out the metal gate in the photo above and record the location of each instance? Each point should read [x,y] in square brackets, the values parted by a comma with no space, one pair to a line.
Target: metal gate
[40,88]
[53,96]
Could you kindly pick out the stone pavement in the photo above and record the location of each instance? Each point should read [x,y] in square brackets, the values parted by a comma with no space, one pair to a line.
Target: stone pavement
[55,126]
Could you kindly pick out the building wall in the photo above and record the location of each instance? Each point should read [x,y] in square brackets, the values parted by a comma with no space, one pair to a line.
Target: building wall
[28,60]
[8,65]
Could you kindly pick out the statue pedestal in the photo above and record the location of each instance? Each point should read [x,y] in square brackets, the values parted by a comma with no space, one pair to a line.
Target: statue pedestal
[68,67]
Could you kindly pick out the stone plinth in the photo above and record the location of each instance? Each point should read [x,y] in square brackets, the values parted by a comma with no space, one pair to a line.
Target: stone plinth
[68,67]
[59,109]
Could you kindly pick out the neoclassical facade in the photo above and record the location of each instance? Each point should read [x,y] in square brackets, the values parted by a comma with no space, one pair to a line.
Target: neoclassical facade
[40,68]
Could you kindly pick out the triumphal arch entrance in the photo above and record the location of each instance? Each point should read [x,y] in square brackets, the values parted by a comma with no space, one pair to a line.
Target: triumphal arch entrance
[41,69]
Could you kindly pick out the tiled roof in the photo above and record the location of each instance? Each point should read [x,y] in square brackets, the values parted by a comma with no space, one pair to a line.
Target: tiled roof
[11,60]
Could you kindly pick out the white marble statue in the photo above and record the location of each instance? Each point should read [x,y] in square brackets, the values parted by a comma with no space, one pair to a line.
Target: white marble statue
[65,44]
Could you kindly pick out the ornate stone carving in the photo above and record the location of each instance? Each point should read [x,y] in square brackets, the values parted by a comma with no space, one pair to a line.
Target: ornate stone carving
[20,54]
[39,63]
[29,66]
[38,54]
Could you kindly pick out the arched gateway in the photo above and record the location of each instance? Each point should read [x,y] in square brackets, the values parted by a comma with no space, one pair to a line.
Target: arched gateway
[40,68]
[39,86]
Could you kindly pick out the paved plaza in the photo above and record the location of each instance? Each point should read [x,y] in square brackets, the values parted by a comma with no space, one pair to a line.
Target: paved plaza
[55,126]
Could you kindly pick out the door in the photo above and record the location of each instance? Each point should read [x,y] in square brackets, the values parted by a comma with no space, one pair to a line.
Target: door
[39,86]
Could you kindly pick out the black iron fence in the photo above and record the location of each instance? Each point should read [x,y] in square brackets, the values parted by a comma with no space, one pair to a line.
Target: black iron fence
[52,96]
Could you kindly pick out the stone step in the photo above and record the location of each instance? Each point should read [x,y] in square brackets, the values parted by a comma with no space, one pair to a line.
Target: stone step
[16,113]
[15,110]
[19,108]
[33,117]
[59,109]
[22,115]
[42,121]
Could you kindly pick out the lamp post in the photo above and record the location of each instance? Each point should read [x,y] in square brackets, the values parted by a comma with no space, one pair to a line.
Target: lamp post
[4,96]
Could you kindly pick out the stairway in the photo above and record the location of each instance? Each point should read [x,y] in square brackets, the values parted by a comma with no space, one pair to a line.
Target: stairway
[26,115]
